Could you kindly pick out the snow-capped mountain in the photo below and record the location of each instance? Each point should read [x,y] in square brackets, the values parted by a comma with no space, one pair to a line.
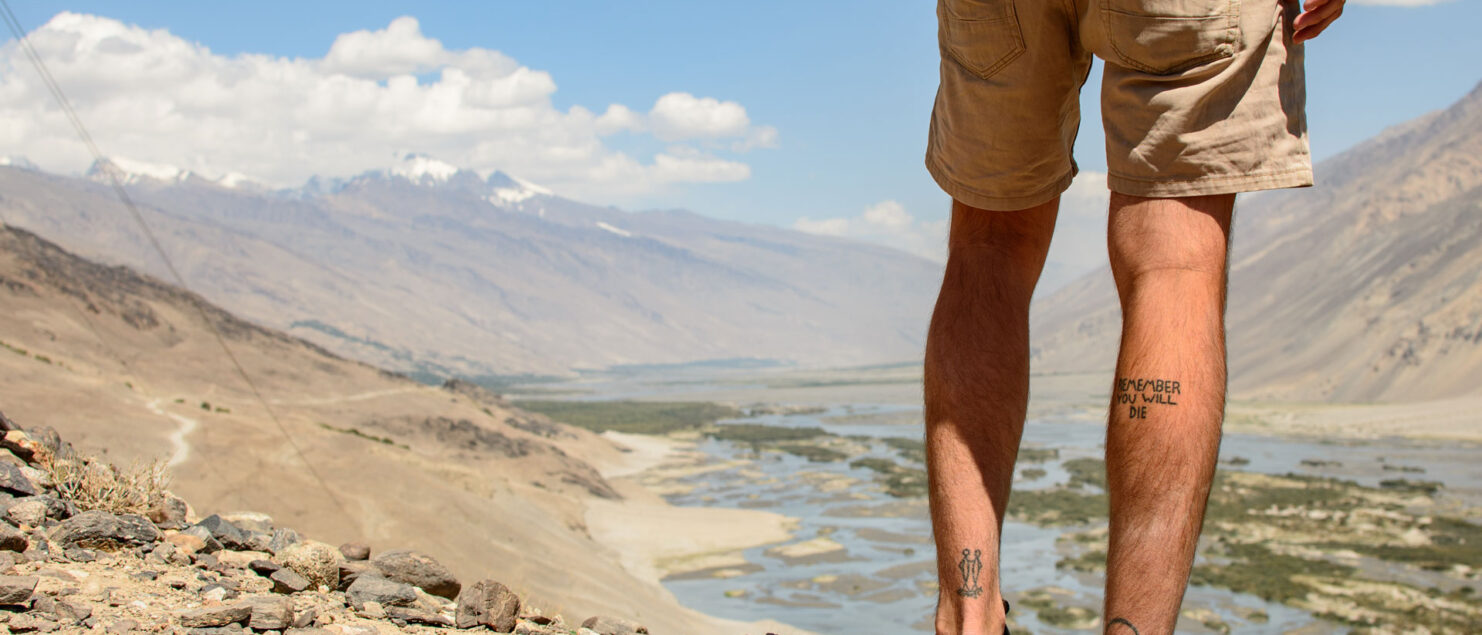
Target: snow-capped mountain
[424,266]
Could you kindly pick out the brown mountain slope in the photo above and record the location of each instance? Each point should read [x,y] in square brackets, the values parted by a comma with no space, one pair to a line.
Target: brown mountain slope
[1364,288]
[123,365]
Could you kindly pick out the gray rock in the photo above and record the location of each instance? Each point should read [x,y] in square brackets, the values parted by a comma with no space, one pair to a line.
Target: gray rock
[8,560]
[48,437]
[122,627]
[11,539]
[6,425]
[264,567]
[305,618]
[257,522]
[373,588]
[418,616]
[79,554]
[419,570]
[288,581]
[352,569]
[257,541]
[101,530]
[270,613]
[355,551]
[211,544]
[72,612]
[28,623]
[28,512]
[228,534]
[614,626]
[16,589]
[317,561]
[14,482]
[209,616]
[282,538]
[489,603]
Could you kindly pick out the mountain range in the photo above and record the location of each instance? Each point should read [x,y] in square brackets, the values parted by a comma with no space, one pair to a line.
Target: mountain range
[427,268]
[1364,288]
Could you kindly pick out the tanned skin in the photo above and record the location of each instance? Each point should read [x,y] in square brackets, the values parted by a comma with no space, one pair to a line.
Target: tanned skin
[1168,258]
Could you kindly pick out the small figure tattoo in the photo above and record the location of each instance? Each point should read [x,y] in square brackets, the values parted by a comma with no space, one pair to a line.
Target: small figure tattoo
[1122,621]
[971,566]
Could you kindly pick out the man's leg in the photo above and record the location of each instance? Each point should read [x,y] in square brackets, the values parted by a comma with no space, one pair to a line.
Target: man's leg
[977,388]
[1169,260]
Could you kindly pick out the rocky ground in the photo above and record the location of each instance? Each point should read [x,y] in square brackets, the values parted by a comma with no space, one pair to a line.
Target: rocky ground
[86,546]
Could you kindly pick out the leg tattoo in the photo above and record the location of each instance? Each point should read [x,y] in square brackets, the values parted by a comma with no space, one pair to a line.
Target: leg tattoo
[1111,627]
[970,566]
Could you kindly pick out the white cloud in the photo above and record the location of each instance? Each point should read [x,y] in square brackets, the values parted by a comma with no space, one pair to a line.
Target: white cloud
[887,223]
[156,97]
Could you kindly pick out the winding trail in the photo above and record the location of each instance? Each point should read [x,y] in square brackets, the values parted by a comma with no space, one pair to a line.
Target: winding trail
[178,437]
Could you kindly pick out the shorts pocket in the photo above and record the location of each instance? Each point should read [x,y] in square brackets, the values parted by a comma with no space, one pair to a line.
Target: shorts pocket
[1167,36]
[982,36]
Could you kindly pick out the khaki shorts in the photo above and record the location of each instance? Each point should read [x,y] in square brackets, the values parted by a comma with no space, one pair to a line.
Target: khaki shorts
[1199,97]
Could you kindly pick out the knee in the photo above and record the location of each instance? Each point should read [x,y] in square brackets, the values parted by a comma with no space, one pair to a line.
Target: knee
[1002,249]
[1160,238]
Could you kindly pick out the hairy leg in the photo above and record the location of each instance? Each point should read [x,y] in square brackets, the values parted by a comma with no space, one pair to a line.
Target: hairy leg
[1169,259]
[977,388]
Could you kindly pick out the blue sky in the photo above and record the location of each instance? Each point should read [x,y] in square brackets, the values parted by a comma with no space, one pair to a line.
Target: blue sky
[845,87]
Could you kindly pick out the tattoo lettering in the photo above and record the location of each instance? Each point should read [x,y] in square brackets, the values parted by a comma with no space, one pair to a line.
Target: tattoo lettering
[970,566]
[1137,394]
[1111,627]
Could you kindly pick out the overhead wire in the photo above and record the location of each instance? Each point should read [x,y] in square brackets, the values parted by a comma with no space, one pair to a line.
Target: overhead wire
[195,300]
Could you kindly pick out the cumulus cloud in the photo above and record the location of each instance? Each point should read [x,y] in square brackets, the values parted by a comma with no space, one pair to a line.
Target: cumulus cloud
[375,95]
[886,223]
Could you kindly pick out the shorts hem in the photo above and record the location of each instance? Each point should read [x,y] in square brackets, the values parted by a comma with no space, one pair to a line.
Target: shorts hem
[974,198]
[1204,186]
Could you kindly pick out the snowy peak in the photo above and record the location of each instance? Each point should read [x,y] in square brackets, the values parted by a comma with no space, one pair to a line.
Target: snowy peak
[133,171]
[17,162]
[422,169]
[506,189]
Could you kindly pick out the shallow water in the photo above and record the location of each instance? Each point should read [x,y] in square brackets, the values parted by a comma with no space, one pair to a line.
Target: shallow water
[881,576]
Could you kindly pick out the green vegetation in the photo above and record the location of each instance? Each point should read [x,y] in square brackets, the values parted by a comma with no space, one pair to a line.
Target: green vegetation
[355,432]
[1048,611]
[1032,473]
[41,358]
[1038,455]
[1236,461]
[909,449]
[1085,472]
[1429,488]
[1090,561]
[875,464]
[756,433]
[14,349]
[641,417]
[1057,507]
[1254,569]
[814,453]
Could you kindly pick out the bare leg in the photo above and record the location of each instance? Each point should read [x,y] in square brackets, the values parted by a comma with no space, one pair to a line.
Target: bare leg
[977,388]
[1169,260]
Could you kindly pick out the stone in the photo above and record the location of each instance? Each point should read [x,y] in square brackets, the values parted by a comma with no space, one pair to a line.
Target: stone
[11,539]
[489,603]
[71,612]
[270,613]
[210,616]
[79,554]
[169,512]
[16,589]
[13,481]
[239,559]
[351,569]
[251,521]
[305,618]
[212,544]
[27,512]
[218,592]
[229,535]
[355,551]
[288,581]
[372,610]
[39,478]
[419,570]
[257,541]
[282,538]
[604,625]
[317,561]
[418,616]
[20,443]
[188,543]
[6,425]
[8,560]
[27,623]
[373,588]
[101,530]
[48,437]
[264,567]
[122,627]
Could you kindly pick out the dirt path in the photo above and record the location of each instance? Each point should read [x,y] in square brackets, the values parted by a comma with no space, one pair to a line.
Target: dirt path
[177,438]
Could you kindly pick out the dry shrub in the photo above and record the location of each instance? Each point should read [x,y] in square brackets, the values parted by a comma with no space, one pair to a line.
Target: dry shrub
[95,484]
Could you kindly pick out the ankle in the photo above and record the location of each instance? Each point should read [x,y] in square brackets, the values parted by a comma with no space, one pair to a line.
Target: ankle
[981,615]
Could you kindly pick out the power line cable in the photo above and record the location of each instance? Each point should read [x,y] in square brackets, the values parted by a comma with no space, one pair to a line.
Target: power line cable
[123,196]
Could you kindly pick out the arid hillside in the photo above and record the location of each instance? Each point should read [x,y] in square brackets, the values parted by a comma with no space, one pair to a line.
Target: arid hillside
[1363,288]
[124,367]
